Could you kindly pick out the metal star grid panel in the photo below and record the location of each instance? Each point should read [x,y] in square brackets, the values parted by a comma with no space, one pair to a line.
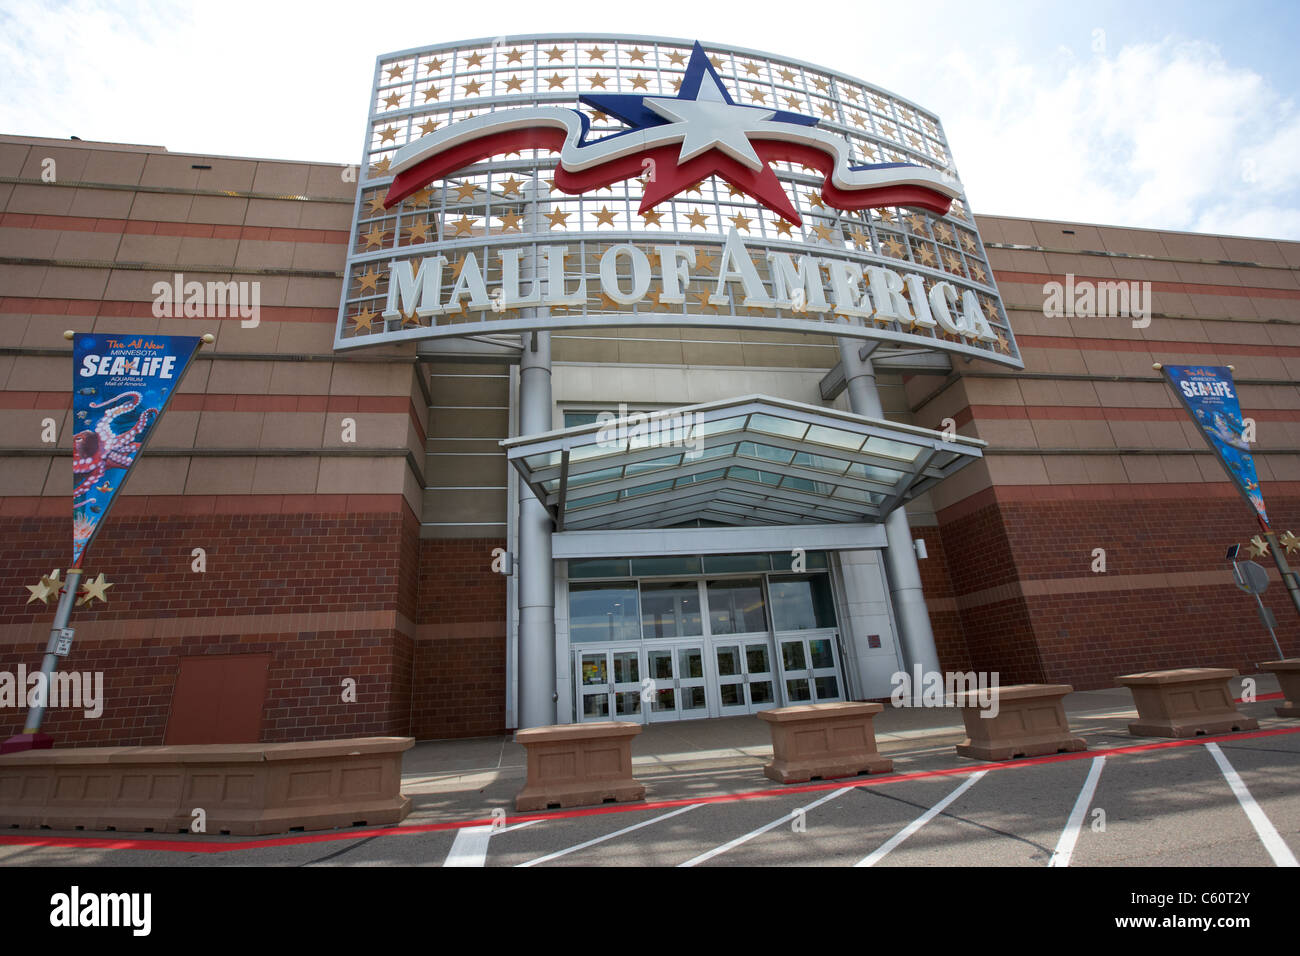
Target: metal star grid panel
[478,211]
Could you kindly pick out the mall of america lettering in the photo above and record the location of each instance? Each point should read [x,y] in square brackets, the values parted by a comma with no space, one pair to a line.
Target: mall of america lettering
[856,292]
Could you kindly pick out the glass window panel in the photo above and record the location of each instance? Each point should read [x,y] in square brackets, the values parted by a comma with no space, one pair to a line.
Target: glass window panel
[604,612]
[733,695]
[728,661]
[693,698]
[766,452]
[573,419]
[798,690]
[701,477]
[599,568]
[691,662]
[627,667]
[627,703]
[729,563]
[593,669]
[821,654]
[604,497]
[784,560]
[757,659]
[719,427]
[771,425]
[827,687]
[545,460]
[670,609]
[661,665]
[736,606]
[760,692]
[648,489]
[801,602]
[887,476]
[665,700]
[892,449]
[687,564]
[591,477]
[836,437]
[792,656]
[595,705]
[836,466]
[655,464]
[587,452]
[716,451]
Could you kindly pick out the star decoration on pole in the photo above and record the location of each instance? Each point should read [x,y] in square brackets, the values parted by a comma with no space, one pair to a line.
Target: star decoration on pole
[1289,541]
[47,587]
[94,590]
[1258,547]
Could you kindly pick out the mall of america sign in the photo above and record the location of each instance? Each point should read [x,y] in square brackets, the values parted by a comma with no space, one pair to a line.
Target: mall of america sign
[544,183]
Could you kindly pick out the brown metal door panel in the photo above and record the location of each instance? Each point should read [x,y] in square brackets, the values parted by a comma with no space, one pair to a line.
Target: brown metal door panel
[218,700]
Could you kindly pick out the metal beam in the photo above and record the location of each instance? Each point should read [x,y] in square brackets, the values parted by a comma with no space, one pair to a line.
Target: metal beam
[646,542]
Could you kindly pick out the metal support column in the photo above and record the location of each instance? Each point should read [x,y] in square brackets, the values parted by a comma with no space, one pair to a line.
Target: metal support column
[535,567]
[915,637]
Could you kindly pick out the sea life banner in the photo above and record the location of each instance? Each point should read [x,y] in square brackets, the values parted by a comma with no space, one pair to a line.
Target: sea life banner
[1208,393]
[120,386]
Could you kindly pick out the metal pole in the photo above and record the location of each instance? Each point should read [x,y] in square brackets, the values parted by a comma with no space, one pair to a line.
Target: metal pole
[1263,616]
[37,714]
[915,635]
[536,568]
[1289,577]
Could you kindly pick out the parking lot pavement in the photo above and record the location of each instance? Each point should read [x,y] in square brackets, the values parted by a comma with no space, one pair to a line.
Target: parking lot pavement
[1229,800]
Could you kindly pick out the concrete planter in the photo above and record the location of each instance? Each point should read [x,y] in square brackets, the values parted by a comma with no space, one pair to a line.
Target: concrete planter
[823,741]
[243,789]
[1288,675]
[574,765]
[1030,722]
[1185,702]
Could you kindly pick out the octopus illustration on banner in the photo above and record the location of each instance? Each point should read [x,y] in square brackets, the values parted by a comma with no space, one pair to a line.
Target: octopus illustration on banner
[121,384]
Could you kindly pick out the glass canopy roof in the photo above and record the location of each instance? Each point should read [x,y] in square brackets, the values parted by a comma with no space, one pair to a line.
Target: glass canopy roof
[754,460]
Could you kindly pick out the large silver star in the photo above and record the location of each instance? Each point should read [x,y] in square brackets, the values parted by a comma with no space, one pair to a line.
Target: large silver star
[710,122]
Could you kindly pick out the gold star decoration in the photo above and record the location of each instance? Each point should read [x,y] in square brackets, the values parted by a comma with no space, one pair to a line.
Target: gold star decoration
[474,59]
[364,320]
[393,99]
[740,222]
[821,84]
[395,72]
[703,299]
[677,85]
[651,217]
[793,102]
[978,271]
[464,226]
[676,59]
[828,111]
[787,76]
[943,232]
[757,96]
[596,53]
[951,262]
[555,80]
[510,221]
[704,260]
[893,247]
[472,88]
[368,281]
[434,66]
[1258,547]
[823,232]
[388,135]
[465,191]
[421,198]
[636,55]
[815,199]
[604,217]
[653,259]
[1003,344]
[698,218]
[47,587]
[515,84]
[94,590]
[608,304]
[514,56]
[751,69]
[558,218]
[1290,542]
[382,165]
[376,203]
[716,61]
[597,81]
[417,232]
[860,238]
[375,237]
[639,82]
[852,93]
[916,224]
[511,186]
[783,228]
[925,254]
[554,53]
[427,127]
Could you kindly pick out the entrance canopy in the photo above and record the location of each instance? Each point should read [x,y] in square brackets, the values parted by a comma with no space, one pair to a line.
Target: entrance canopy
[750,461]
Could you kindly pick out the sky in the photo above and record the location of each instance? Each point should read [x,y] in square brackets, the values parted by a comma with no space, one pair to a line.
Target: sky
[1166,115]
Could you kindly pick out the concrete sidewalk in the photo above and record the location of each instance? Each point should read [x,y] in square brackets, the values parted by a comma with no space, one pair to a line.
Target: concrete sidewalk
[467,779]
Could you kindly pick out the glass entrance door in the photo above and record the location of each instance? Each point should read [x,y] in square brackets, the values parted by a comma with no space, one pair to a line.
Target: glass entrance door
[809,668]
[746,683]
[609,684]
[679,688]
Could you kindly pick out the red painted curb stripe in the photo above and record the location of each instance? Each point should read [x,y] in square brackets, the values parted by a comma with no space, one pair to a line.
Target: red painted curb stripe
[200,846]
[1278,696]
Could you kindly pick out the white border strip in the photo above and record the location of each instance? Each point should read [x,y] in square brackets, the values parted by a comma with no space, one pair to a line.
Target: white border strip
[919,822]
[718,851]
[608,836]
[1268,835]
[1070,835]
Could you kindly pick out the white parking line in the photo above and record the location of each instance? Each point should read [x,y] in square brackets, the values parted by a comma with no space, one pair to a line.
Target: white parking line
[919,822]
[1070,835]
[471,844]
[1268,834]
[608,836]
[717,851]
